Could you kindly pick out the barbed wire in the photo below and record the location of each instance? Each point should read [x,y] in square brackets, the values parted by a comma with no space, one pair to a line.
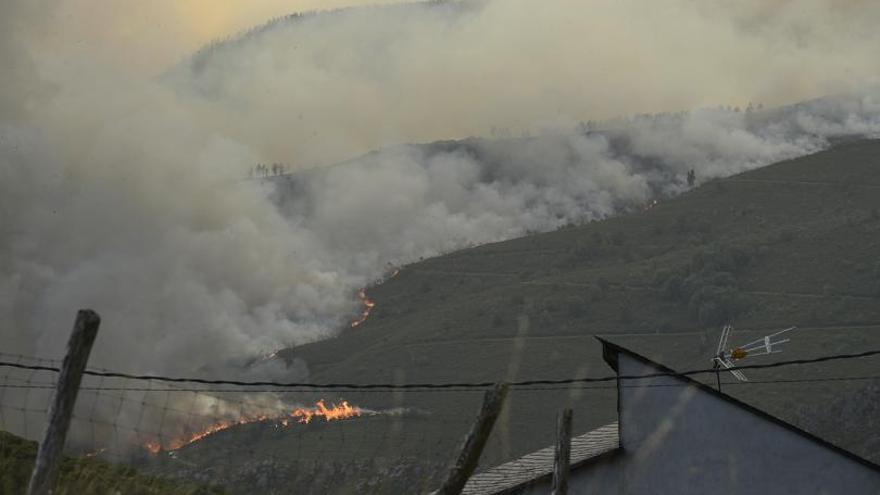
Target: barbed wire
[50,386]
[280,386]
[188,427]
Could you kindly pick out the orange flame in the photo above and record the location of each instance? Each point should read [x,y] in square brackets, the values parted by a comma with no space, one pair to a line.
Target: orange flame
[368,305]
[339,411]
[334,412]
[214,428]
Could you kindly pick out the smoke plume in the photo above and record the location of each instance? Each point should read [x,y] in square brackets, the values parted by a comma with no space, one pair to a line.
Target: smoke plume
[130,194]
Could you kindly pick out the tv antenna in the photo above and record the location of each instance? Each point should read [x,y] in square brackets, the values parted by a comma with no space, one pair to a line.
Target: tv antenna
[726,357]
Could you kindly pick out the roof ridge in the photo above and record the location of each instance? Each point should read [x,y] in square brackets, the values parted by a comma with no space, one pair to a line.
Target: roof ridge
[538,464]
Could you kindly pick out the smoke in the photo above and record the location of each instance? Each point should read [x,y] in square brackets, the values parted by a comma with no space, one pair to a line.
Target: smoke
[319,89]
[129,194]
[411,201]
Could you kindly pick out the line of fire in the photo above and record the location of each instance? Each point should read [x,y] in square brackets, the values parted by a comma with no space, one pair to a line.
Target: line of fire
[299,415]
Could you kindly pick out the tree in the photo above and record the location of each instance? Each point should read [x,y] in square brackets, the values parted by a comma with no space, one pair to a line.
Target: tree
[691,178]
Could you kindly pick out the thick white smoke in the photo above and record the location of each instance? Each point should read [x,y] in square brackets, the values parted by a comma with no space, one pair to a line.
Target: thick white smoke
[319,89]
[131,196]
[420,200]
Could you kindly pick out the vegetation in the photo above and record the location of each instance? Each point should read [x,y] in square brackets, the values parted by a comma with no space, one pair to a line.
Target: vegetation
[84,476]
[709,285]
[791,244]
[794,243]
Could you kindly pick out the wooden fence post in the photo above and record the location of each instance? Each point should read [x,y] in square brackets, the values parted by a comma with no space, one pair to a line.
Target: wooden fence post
[49,456]
[562,453]
[475,441]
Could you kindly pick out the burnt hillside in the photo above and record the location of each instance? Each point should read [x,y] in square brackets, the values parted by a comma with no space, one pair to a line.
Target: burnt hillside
[793,243]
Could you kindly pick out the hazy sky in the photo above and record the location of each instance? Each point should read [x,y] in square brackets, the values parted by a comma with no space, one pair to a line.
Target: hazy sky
[150,35]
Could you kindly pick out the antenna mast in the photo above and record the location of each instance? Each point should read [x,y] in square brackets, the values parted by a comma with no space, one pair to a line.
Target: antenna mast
[725,358]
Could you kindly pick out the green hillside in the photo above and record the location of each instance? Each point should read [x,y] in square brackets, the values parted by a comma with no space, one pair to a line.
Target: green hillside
[794,243]
[84,476]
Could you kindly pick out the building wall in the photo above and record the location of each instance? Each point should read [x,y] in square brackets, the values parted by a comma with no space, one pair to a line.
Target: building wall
[679,439]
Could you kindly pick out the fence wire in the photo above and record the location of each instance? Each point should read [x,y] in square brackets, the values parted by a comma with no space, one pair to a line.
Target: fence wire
[295,439]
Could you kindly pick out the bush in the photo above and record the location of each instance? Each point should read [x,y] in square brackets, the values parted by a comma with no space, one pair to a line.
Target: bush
[730,259]
[708,284]
[78,475]
[703,279]
[713,305]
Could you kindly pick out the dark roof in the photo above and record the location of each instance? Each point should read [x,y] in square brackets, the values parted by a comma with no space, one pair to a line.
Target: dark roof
[611,350]
[539,464]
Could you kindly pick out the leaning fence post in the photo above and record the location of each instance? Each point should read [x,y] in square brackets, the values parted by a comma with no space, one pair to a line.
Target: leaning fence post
[49,455]
[474,442]
[562,453]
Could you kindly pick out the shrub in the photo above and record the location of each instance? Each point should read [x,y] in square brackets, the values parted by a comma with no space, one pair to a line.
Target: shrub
[712,305]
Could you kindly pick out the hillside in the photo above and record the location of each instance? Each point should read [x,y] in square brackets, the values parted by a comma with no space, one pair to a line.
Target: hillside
[789,244]
[199,73]
[84,475]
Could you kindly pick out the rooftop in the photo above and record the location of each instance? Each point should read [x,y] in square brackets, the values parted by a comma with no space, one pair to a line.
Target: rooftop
[536,465]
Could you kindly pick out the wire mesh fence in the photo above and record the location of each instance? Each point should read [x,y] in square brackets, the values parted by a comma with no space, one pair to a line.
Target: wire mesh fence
[276,438]
[281,439]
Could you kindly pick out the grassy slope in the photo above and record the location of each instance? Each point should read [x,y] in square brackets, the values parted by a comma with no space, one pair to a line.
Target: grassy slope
[791,244]
[83,476]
